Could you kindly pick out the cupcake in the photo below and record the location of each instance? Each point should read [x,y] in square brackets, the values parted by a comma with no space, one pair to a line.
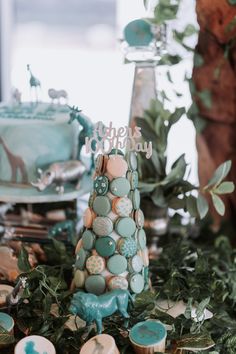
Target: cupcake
[148,337]
[102,344]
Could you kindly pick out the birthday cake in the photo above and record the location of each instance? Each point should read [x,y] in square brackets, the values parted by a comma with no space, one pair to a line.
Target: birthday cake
[112,252]
[32,137]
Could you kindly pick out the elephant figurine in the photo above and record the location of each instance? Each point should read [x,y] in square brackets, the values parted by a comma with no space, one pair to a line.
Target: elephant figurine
[92,308]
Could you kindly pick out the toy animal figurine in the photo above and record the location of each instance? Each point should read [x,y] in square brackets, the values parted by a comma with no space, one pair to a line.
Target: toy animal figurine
[57,95]
[92,308]
[34,82]
[87,131]
[67,226]
[16,96]
[59,173]
[4,208]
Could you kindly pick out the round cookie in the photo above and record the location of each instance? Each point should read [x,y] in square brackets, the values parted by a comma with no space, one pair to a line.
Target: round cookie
[117,264]
[101,185]
[102,205]
[95,284]
[95,264]
[79,278]
[139,218]
[125,227]
[101,344]
[145,256]
[105,246]
[136,283]
[127,247]
[122,206]
[132,160]
[88,218]
[135,264]
[120,187]
[81,257]
[141,239]
[88,239]
[117,282]
[135,197]
[116,166]
[132,177]
[102,226]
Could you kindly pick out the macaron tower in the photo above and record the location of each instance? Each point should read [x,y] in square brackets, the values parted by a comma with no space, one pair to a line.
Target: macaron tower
[112,252]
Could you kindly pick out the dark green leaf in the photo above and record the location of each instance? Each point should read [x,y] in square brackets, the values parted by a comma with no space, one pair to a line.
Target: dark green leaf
[201,307]
[23,260]
[202,206]
[205,97]
[218,204]
[158,197]
[220,173]
[6,338]
[224,187]
[168,59]
[198,60]
[146,187]
[198,341]
[169,77]
[191,206]
[176,115]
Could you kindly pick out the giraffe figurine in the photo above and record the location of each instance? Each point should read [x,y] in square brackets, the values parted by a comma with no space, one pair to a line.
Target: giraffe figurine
[16,163]
[34,82]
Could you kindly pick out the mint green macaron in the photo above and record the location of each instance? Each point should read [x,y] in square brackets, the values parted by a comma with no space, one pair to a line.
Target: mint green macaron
[135,197]
[136,283]
[95,284]
[117,264]
[132,177]
[88,239]
[127,247]
[102,226]
[105,246]
[125,227]
[81,257]
[102,205]
[132,160]
[141,239]
[120,187]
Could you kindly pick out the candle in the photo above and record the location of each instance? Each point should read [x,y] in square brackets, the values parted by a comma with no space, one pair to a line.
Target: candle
[5,290]
[34,344]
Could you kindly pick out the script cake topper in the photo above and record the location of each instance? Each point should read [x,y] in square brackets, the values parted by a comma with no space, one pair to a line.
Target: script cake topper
[105,139]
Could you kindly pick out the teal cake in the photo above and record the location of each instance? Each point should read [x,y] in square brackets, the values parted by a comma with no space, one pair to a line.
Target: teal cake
[32,136]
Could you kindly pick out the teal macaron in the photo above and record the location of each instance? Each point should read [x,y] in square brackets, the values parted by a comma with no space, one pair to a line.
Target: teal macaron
[88,239]
[101,185]
[127,247]
[102,205]
[132,177]
[120,187]
[105,246]
[95,284]
[135,264]
[102,226]
[135,198]
[81,258]
[141,239]
[136,283]
[139,218]
[117,264]
[125,227]
[132,160]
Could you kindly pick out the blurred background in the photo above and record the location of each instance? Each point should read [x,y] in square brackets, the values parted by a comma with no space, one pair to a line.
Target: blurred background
[75,45]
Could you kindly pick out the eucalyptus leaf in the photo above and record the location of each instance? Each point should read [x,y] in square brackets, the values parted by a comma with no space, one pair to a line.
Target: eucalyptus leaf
[168,59]
[220,173]
[146,187]
[218,204]
[177,172]
[174,118]
[224,188]
[202,206]
[205,97]
[23,260]
[158,197]
[191,205]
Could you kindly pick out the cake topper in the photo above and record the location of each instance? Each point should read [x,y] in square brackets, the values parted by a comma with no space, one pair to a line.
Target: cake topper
[105,139]
[57,95]
[34,82]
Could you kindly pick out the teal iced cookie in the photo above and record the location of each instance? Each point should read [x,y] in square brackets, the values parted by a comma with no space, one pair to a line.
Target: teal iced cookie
[132,177]
[105,246]
[102,226]
[120,187]
[125,227]
[132,160]
[136,283]
[101,185]
[117,264]
[116,152]
[81,257]
[102,205]
[135,197]
[141,238]
[135,264]
[95,284]
[138,33]
[139,218]
[88,239]
[127,247]
[147,333]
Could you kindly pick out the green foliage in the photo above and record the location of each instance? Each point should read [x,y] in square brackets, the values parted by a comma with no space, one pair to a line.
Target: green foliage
[165,10]
[232,2]
[23,260]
